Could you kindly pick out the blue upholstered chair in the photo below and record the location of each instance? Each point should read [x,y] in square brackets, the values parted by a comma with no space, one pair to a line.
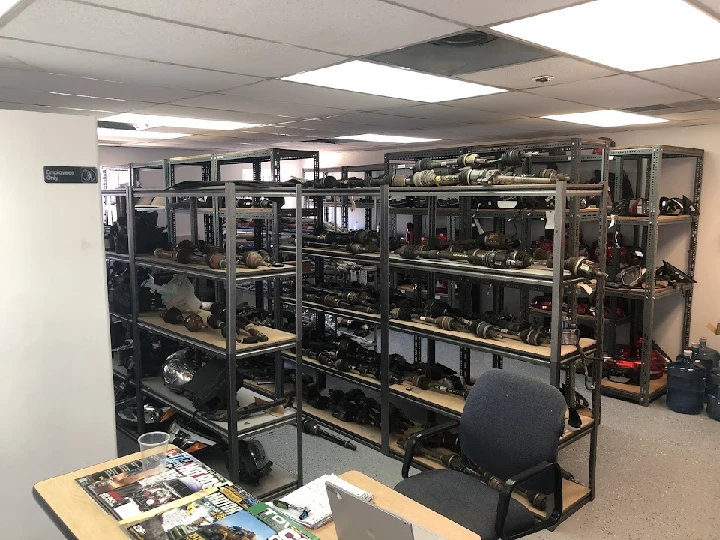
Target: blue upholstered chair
[510,427]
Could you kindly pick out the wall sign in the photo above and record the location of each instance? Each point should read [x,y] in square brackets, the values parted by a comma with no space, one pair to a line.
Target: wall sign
[59,174]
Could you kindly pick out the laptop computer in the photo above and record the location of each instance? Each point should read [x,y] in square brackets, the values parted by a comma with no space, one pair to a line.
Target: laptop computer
[356,519]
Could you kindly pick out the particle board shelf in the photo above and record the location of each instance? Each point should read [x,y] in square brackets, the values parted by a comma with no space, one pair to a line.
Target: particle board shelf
[583,318]
[507,348]
[112,256]
[367,435]
[645,221]
[123,318]
[585,214]
[253,425]
[211,340]
[631,391]
[448,404]
[202,270]
[642,294]
[570,434]
[268,389]
[535,275]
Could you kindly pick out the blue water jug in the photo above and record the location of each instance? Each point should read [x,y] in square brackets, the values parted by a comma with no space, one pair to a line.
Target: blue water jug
[713,404]
[709,358]
[686,385]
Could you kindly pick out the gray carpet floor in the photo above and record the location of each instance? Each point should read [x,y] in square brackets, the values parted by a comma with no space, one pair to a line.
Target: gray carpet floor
[657,472]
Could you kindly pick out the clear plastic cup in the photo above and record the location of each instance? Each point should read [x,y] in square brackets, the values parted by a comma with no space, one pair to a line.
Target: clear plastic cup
[153,449]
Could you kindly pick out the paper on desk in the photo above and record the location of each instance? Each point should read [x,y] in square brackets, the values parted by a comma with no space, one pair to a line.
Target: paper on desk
[313,497]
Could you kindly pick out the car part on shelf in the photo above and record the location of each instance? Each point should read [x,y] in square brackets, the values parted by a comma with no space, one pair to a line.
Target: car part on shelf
[172,315]
[194,322]
[179,369]
[581,267]
[311,427]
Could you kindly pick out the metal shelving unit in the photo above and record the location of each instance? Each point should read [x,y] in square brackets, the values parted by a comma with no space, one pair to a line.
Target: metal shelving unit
[210,341]
[648,162]
[560,359]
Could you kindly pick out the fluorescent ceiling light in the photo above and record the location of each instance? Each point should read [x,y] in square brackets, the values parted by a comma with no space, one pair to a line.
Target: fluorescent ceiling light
[120,134]
[85,96]
[394,82]
[145,121]
[608,118]
[645,33]
[372,137]
[6,5]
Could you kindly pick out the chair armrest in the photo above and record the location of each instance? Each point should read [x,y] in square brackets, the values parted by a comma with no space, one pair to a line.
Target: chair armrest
[419,436]
[509,486]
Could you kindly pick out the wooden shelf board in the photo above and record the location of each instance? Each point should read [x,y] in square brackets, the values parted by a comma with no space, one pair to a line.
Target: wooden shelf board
[583,318]
[587,422]
[268,389]
[662,220]
[212,337]
[451,402]
[541,352]
[155,387]
[656,385]
[197,268]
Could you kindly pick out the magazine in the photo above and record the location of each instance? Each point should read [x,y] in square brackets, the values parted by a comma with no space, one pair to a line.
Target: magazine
[134,491]
[228,512]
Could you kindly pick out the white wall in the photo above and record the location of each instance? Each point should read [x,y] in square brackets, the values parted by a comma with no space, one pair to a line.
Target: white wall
[673,240]
[56,387]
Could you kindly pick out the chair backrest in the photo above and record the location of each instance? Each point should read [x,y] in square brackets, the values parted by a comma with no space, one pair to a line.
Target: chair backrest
[511,423]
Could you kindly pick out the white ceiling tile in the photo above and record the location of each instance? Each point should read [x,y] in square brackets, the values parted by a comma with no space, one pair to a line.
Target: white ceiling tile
[349,28]
[50,82]
[520,103]
[32,97]
[243,104]
[713,115]
[291,92]
[46,109]
[703,78]
[104,30]
[209,114]
[519,76]
[475,13]
[55,59]
[390,122]
[615,92]
[450,114]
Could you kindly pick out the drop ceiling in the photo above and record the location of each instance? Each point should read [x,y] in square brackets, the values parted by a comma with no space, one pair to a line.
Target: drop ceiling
[222,60]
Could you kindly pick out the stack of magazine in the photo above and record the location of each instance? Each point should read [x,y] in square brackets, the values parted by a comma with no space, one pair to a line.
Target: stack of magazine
[186,501]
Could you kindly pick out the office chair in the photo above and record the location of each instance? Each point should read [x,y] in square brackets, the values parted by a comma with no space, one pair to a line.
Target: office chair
[510,427]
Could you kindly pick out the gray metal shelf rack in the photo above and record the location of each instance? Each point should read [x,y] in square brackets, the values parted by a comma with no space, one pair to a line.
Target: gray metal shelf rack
[227,349]
[648,161]
[556,281]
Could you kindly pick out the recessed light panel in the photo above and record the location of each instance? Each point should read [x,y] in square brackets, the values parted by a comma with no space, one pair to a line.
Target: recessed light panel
[607,118]
[145,121]
[644,34]
[379,80]
[131,135]
[373,137]
[5,6]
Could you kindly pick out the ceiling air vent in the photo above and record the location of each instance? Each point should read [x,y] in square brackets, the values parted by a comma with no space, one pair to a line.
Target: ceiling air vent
[678,107]
[328,141]
[466,52]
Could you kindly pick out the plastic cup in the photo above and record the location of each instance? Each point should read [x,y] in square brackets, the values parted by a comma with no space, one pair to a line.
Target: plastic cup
[153,449]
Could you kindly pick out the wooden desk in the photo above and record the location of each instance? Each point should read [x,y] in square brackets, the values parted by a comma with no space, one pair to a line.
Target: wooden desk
[389,499]
[79,517]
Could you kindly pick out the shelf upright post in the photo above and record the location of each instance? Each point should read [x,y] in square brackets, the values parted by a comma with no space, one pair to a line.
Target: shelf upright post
[558,284]
[600,326]
[432,232]
[216,221]
[384,320]
[231,344]
[134,304]
[298,334]
[169,181]
[692,252]
[653,196]
[276,286]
